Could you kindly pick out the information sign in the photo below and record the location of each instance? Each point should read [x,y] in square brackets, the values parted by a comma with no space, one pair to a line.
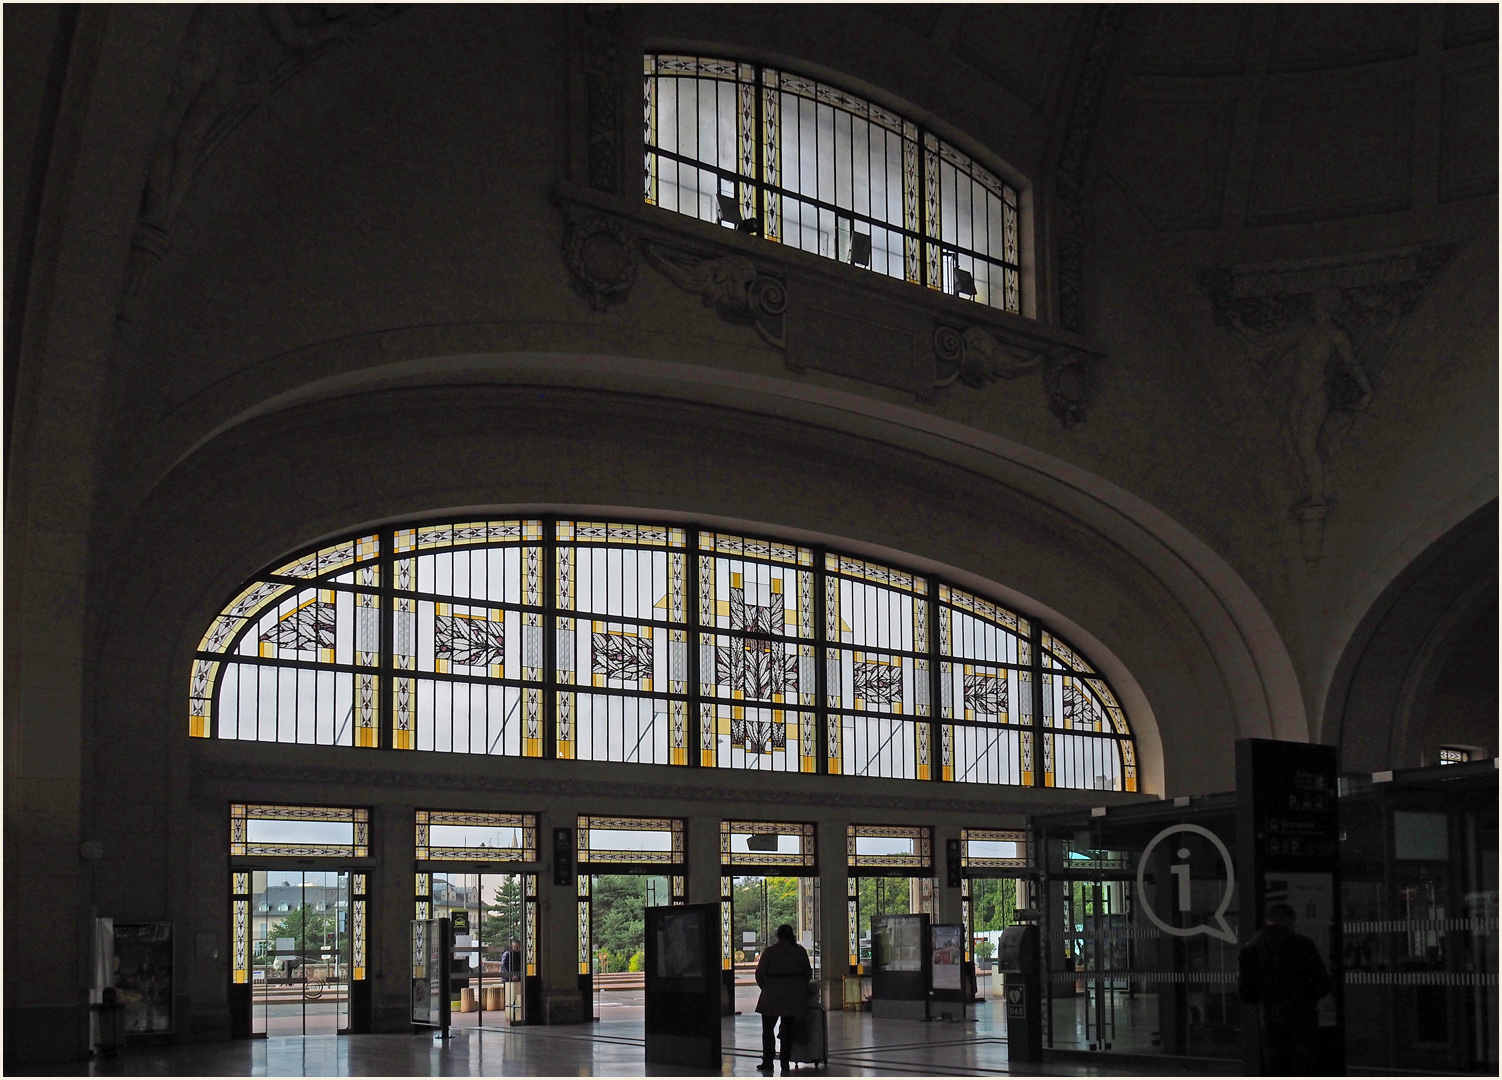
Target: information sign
[948,956]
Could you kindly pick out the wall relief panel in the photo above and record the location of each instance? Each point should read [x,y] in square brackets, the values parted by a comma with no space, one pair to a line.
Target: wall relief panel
[1468,133]
[1319,332]
[234,57]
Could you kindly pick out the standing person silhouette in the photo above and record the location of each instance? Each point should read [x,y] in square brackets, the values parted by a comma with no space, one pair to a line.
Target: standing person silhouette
[511,962]
[783,973]
[1282,972]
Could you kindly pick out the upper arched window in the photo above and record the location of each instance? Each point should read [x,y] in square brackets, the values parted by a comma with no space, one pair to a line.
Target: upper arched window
[656,644]
[806,164]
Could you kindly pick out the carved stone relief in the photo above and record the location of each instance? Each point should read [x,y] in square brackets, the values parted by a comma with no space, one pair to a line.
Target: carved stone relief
[234,57]
[1069,174]
[821,321]
[976,357]
[1070,386]
[601,259]
[731,284]
[1318,332]
[602,90]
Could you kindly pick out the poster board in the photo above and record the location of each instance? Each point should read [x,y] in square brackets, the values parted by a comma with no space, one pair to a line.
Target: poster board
[143,977]
[900,959]
[679,962]
[947,970]
[432,955]
[897,942]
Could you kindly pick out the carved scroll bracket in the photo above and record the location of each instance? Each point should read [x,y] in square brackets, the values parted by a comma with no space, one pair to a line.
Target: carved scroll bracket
[731,284]
[978,357]
[821,315]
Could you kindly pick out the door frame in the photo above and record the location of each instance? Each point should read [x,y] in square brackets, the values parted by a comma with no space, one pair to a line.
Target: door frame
[241,885]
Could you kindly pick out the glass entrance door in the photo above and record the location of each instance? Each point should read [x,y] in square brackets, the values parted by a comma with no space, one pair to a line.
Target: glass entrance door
[488,913]
[300,952]
[759,905]
[618,940]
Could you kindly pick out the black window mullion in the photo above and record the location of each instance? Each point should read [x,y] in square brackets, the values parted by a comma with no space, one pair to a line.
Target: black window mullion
[935,766]
[550,633]
[1036,638]
[759,156]
[691,611]
[386,567]
[822,647]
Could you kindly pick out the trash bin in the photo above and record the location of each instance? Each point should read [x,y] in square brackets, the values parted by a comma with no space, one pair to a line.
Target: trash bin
[108,1023]
[854,1001]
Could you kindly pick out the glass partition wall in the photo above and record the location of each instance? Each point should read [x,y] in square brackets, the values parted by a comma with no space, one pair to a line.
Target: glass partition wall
[1131,965]
[1137,960]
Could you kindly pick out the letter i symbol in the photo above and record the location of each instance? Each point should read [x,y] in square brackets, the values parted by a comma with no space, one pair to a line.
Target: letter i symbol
[1181,871]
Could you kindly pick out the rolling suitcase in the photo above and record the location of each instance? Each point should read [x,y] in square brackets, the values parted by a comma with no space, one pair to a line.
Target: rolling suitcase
[810,1043]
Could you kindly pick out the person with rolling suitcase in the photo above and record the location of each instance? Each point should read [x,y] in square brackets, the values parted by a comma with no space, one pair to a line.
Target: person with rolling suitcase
[783,973]
[810,1035]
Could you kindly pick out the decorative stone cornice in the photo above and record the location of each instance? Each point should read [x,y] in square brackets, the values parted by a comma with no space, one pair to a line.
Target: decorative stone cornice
[821,314]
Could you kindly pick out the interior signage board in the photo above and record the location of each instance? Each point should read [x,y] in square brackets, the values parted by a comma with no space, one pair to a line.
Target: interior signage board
[1288,845]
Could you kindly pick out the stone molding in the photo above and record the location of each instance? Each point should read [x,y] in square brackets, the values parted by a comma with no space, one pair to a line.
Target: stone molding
[601,258]
[1069,172]
[233,59]
[821,314]
[713,793]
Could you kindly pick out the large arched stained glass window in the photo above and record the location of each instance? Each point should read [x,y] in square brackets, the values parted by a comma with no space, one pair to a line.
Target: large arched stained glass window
[652,644]
[813,166]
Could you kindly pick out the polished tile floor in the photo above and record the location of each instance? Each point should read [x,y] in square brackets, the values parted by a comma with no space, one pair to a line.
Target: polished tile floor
[858,1047]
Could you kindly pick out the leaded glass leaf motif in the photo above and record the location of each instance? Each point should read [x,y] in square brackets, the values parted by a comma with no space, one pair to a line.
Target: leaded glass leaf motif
[472,640]
[878,684]
[621,655]
[986,695]
[758,736]
[307,627]
[746,652]
[1079,710]
[756,667]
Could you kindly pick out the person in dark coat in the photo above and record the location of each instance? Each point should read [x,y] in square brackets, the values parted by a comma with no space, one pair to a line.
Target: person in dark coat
[511,962]
[1282,972]
[783,973]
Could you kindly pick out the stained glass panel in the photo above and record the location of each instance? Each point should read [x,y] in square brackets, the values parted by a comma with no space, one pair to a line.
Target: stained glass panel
[475,836]
[306,831]
[835,169]
[712,656]
[629,840]
[767,844]
[888,847]
[993,848]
